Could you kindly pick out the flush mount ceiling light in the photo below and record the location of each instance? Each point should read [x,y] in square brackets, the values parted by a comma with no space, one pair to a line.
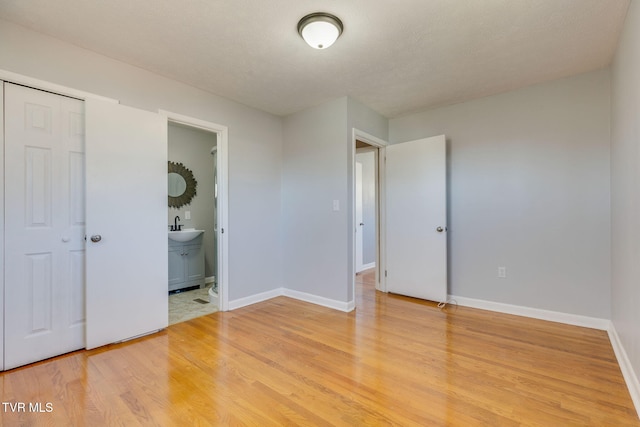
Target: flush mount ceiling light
[320,29]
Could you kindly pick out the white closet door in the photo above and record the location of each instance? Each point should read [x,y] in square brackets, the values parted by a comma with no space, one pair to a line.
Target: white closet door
[44,225]
[127,249]
[416,215]
[2,218]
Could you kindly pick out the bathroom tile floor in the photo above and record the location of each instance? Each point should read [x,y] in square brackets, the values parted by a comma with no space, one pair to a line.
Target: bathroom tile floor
[183,307]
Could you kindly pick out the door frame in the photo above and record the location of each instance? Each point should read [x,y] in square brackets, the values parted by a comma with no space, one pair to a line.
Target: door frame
[222,133]
[380,145]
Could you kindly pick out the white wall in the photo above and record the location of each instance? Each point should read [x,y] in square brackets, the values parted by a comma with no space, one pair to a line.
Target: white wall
[625,185]
[192,147]
[255,141]
[529,190]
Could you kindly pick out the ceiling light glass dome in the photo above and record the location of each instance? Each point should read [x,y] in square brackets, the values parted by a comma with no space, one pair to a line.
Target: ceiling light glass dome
[320,30]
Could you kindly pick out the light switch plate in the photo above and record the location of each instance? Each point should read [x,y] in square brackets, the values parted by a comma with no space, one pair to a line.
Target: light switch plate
[336,205]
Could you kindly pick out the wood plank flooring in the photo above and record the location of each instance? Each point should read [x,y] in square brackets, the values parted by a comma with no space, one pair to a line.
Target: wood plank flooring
[394,361]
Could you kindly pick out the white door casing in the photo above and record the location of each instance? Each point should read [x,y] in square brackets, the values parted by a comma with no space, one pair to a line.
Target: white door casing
[416,214]
[222,207]
[378,145]
[127,270]
[359,219]
[44,225]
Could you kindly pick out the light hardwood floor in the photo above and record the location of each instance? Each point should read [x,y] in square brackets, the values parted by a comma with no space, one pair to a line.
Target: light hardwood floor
[393,361]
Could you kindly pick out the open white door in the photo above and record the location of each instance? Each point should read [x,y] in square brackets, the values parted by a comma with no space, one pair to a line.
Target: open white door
[127,248]
[416,215]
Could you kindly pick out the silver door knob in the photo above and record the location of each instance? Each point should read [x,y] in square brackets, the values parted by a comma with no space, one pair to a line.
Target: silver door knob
[65,239]
[96,238]
[439,229]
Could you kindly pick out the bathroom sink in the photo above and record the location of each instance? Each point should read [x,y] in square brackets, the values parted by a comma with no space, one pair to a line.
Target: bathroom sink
[184,235]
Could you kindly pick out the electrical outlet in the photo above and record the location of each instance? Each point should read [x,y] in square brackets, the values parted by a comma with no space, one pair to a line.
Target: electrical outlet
[502,272]
[187,214]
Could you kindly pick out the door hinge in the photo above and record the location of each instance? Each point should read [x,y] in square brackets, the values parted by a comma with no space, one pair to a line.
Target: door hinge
[222,230]
[385,273]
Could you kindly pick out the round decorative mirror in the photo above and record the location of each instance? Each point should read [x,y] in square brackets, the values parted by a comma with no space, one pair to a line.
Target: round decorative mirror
[181,185]
[177,185]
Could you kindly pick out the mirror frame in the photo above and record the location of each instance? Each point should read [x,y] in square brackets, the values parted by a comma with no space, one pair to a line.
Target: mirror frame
[189,192]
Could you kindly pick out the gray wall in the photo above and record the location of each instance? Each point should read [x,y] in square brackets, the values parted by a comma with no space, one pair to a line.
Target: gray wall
[529,190]
[317,169]
[528,182]
[625,198]
[255,141]
[192,147]
[315,174]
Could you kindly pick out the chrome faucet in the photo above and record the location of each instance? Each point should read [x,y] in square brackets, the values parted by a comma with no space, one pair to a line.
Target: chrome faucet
[176,226]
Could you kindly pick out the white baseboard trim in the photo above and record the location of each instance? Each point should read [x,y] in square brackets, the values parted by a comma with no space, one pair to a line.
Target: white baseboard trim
[367,266]
[630,377]
[536,313]
[315,299]
[208,280]
[302,296]
[254,299]
[629,374]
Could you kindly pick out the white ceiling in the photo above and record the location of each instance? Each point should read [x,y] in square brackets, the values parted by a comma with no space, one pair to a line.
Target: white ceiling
[394,56]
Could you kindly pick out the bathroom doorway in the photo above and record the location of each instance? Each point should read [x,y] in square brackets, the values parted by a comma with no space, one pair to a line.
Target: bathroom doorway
[197,255]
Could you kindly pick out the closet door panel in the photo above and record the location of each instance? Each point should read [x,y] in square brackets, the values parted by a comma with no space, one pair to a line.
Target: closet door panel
[2,217]
[126,161]
[44,283]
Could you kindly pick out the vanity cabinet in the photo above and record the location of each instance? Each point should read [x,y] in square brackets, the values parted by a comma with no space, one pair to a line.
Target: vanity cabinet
[186,264]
